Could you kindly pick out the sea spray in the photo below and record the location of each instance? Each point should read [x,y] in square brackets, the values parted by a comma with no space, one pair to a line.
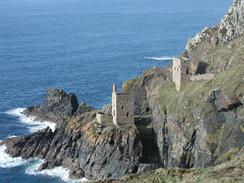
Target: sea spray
[33,124]
[60,172]
[7,162]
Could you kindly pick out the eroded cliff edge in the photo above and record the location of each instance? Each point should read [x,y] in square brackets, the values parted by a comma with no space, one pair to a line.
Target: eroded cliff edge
[197,126]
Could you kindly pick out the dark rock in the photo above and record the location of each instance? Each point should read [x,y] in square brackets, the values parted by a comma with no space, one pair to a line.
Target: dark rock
[147,167]
[186,159]
[57,107]
[43,166]
[76,173]
[83,108]
[83,147]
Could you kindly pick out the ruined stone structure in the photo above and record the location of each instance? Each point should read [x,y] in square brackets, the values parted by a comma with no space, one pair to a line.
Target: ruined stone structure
[199,77]
[122,107]
[181,72]
[103,118]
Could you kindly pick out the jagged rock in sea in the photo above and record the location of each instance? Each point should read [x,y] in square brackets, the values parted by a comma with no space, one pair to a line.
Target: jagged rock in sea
[57,106]
[78,143]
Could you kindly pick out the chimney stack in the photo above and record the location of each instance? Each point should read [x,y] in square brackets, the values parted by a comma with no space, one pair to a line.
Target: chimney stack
[114,88]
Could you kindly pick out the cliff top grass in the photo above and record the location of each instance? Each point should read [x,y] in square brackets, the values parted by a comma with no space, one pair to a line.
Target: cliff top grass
[226,56]
[194,96]
[231,171]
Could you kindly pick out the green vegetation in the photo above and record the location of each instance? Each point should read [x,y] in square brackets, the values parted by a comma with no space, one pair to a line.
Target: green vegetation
[230,155]
[231,171]
[224,56]
[215,138]
[127,84]
[193,98]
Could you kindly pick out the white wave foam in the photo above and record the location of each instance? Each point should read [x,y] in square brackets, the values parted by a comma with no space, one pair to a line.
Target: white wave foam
[162,58]
[7,162]
[10,136]
[33,124]
[60,172]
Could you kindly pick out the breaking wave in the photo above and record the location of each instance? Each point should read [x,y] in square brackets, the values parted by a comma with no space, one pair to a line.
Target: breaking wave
[33,124]
[60,172]
[7,162]
[32,165]
[162,58]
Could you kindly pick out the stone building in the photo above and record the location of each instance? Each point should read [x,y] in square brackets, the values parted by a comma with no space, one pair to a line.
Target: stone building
[121,112]
[122,107]
[103,118]
[181,72]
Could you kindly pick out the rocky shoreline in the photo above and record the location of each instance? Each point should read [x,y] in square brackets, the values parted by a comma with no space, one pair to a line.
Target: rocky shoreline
[78,143]
[200,126]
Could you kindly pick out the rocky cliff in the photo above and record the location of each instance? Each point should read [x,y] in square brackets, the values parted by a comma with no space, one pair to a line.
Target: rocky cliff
[197,126]
[200,126]
[57,106]
[78,143]
[231,171]
[229,31]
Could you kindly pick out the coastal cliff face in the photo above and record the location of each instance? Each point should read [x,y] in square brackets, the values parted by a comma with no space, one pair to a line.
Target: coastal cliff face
[197,126]
[231,171]
[200,126]
[78,143]
[229,31]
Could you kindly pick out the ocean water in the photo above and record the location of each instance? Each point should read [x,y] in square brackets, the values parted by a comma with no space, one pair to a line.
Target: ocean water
[83,46]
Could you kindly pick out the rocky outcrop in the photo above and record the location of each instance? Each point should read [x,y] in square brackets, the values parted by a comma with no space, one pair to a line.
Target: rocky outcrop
[83,108]
[232,25]
[139,86]
[86,149]
[196,126]
[79,143]
[57,106]
[229,28]
[199,48]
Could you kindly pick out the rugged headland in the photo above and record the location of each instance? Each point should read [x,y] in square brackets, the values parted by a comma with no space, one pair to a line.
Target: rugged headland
[193,135]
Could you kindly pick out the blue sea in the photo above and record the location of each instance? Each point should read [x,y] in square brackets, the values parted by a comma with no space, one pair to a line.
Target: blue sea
[83,46]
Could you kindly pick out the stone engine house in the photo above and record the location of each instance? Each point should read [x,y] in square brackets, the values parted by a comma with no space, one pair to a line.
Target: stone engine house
[181,72]
[122,107]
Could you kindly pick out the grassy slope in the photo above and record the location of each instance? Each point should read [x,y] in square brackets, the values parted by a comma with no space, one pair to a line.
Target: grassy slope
[191,104]
[231,171]
[193,97]
[226,56]
[192,100]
